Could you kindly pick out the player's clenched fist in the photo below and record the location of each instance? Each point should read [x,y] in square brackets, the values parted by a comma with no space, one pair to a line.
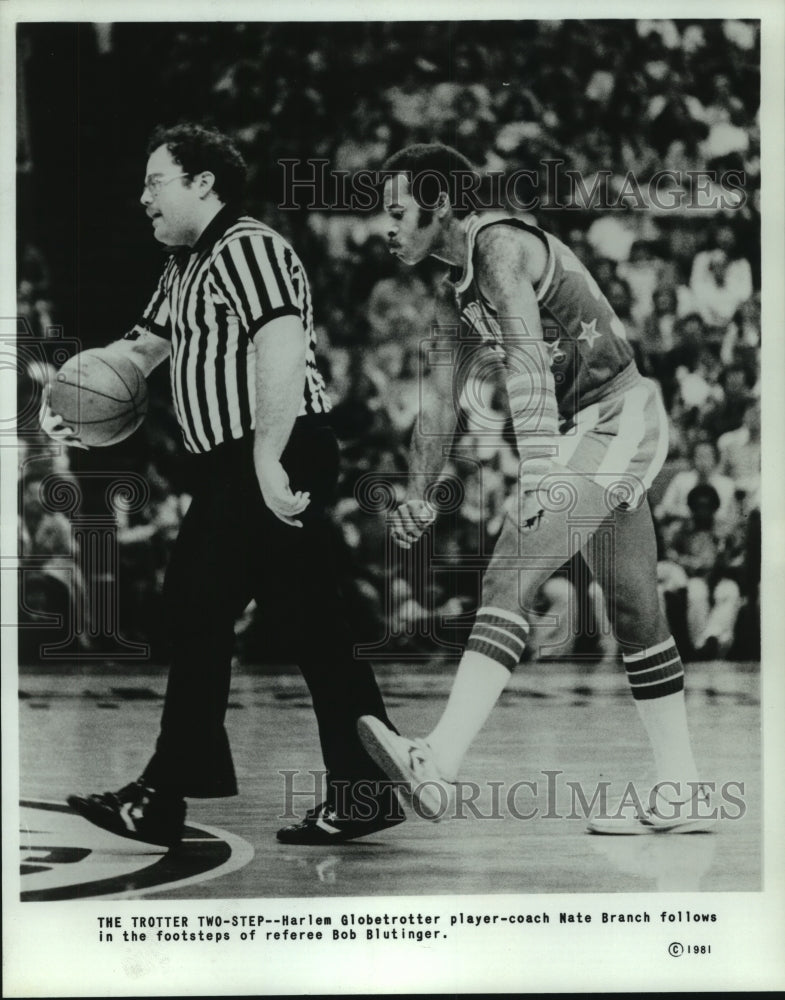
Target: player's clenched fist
[410,520]
[52,425]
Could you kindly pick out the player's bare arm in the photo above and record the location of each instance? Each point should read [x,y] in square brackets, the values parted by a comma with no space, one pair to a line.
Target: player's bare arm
[280,378]
[433,431]
[507,264]
[147,351]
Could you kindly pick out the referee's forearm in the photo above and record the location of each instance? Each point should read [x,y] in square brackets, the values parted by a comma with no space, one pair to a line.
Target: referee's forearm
[275,417]
[147,351]
[280,381]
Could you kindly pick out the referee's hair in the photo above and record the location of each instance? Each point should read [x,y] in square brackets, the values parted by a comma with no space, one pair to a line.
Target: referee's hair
[434,169]
[196,148]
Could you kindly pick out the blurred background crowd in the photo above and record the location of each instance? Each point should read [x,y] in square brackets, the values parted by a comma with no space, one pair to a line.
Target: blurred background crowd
[619,96]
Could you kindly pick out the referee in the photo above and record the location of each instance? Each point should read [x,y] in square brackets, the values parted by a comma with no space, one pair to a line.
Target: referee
[232,312]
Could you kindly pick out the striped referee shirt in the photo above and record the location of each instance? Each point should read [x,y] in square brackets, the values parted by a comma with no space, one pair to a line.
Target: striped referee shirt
[211,301]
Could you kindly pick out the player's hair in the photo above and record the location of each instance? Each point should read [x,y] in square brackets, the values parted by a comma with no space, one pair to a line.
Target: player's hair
[196,148]
[434,169]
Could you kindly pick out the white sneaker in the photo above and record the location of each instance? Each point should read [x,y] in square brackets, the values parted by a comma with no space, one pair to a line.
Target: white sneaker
[672,816]
[410,763]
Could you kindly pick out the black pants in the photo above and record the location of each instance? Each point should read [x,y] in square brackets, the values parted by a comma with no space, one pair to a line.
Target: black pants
[230,549]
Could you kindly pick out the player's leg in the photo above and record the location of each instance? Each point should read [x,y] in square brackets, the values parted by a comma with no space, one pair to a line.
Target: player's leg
[631,442]
[627,571]
[522,561]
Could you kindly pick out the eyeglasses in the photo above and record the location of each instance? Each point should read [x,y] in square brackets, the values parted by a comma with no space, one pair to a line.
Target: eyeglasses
[155,182]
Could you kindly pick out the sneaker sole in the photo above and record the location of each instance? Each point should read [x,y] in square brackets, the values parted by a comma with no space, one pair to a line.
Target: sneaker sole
[109,822]
[320,838]
[375,737]
[638,828]
[688,826]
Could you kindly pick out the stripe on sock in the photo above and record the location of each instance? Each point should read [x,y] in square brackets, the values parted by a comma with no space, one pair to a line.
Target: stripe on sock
[500,635]
[667,644]
[655,672]
[489,613]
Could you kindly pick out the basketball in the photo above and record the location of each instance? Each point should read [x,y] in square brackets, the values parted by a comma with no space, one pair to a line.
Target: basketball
[102,396]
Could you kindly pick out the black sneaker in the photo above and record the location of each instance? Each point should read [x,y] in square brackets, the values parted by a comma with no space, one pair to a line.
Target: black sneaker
[136,812]
[323,826]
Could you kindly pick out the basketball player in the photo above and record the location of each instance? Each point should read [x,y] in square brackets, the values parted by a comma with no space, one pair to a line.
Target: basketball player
[232,312]
[591,434]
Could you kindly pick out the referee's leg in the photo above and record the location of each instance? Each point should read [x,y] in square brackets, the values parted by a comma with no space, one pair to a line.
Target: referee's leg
[342,688]
[207,587]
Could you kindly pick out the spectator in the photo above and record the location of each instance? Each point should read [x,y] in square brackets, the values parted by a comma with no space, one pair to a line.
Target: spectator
[658,333]
[713,595]
[725,119]
[742,338]
[580,246]
[690,338]
[704,461]
[723,415]
[52,586]
[611,237]
[398,308]
[694,390]
[569,610]
[643,273]
[393,370]
[721,281]
[740,455]
[620,297]
[675,115]
[604,272]
[372,260]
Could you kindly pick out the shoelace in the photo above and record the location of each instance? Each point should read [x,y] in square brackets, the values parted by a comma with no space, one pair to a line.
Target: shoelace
[699,795]
[322,811]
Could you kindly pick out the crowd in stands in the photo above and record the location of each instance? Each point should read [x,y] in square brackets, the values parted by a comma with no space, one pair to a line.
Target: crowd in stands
[678,95]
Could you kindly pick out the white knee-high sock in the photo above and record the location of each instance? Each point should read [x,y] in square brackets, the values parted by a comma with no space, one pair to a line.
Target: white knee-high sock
[476,688]
[656,677]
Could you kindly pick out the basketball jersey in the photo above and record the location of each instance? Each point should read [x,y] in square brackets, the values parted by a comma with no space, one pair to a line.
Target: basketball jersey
[210,303]
[590,356]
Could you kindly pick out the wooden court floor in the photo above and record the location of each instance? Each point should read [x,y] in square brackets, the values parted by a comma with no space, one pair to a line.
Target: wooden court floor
[81,733]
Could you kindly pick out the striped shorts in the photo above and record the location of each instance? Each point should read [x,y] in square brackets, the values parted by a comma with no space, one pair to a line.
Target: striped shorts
[618,443]
[622,437]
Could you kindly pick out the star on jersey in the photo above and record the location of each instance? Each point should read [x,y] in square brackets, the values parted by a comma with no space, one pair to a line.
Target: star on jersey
[556,354]
[589,332]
